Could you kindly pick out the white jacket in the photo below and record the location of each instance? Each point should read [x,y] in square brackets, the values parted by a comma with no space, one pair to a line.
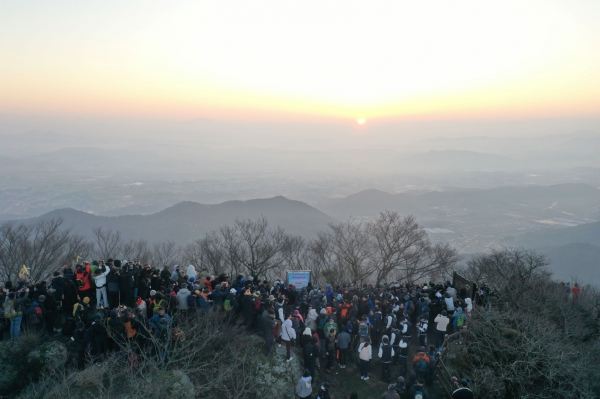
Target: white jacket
[469,303]
[287,331]
[191,271]
[100,279]
[365,353]
[442,322]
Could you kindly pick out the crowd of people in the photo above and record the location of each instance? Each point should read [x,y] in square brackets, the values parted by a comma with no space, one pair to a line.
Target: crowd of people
[103,305]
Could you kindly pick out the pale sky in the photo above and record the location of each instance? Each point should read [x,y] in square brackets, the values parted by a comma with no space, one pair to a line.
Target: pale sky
[281,60]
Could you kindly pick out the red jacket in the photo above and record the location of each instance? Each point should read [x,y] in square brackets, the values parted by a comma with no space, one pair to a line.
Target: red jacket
[85,277]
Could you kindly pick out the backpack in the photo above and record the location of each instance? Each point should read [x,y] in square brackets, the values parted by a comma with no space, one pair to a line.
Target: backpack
[345,310]
[363,330]
[79,283]
[129,329]
[36,316]
[157,306]
[460,321]
[422,365]
[9,309]
[227,305]
[77,307]
[418,395]
[257,305]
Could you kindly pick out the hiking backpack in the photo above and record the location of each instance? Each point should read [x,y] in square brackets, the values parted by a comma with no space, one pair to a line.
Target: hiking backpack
[422,365]
[460,321]
[9,309]
[157,306]
[36,316]
[363,330]
[227,305]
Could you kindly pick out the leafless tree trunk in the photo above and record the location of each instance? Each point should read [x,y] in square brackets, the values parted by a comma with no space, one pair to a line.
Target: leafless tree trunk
[40,247]
[108,243]
[353,250]
[166,253]
[323,261]
[253,246]
[393,237]
[139,249]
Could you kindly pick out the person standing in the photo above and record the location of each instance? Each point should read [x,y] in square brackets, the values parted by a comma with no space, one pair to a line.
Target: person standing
[100,282]
[365,354]
[268,324]
[330,350]
[287,335]
[17,313]
[81,340]
[343,343]
[441,321]
[386,354]
[422,327]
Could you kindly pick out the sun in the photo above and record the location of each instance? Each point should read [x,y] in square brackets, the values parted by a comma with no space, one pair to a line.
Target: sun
[361,121]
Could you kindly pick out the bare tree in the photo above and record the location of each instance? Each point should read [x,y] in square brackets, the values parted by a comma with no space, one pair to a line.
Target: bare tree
[393,237]
[322,260]
[108,243]
[40,247]
[137,249]
[253,247]
[166,253]
[208,253]
[293,252]
[425,261]
[353,251]
[508,266]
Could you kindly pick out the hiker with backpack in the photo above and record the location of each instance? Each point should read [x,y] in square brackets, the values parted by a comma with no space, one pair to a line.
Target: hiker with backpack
[421,363]
[458,322]
[418,391]
[13,311]
[231,306]
[363,329]
[390,393]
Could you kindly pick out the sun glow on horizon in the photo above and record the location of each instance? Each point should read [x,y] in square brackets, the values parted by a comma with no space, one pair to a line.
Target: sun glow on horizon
[475,59]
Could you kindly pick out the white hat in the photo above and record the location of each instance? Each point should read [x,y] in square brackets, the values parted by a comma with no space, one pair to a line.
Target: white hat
[232,291]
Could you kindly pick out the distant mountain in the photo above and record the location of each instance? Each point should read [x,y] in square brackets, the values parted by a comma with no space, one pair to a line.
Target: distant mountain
[369,203]
[187,221]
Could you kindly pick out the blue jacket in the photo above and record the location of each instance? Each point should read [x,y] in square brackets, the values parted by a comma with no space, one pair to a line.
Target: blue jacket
[155,320]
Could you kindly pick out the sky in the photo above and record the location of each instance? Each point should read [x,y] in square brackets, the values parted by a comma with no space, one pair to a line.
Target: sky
[334,61]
